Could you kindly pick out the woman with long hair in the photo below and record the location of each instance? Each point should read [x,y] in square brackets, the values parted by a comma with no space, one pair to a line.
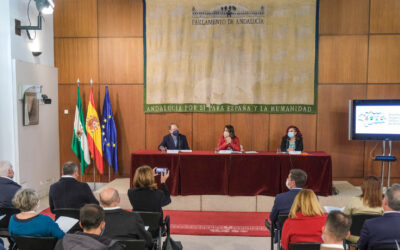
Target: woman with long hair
[145,196]
[229,141]
[292,140]
[305,220]
[369,202]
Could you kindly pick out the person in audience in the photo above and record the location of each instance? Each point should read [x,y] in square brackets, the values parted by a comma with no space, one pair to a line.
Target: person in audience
[384,229]
[305,220]
[93,225]
[144,196]
[8,187]
[228,141]
[121,224]
[292,140]
[28,222]
[68,192]
[369,202]
[295,181]
[174,140]
[336,230]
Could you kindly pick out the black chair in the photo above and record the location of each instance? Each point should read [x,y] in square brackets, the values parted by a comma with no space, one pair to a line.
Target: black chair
[8,212]
[72,213]
[305,246]
[276,231]
[385,247]
[357,222]
[133,244]
[156,225]
[34,243]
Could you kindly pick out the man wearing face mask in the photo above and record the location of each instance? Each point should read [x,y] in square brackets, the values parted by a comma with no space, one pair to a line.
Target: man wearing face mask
[93,225]
[174,140]
[8,187]
[295,181]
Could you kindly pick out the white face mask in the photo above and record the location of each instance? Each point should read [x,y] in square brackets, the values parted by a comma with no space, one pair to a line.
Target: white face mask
[226,134]
[287,184]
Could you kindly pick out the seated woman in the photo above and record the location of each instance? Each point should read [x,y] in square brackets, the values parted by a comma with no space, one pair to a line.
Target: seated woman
[305,220]
[369,202]
[292,140]
[28,222]
[228,141]
[144,196]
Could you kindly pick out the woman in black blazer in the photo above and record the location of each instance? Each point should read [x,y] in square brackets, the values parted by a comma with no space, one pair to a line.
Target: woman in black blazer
[144,196]
[292,140]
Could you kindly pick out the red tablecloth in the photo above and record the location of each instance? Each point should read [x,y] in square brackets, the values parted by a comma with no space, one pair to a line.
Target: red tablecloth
[264,173]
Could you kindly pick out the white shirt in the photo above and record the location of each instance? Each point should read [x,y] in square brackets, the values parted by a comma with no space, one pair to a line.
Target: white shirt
[67,176]
[338,246]
[111,208]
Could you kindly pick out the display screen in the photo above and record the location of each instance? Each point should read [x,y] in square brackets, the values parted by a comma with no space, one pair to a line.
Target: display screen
[375,120]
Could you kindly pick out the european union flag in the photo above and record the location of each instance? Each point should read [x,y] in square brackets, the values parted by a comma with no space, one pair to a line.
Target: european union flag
[109,134]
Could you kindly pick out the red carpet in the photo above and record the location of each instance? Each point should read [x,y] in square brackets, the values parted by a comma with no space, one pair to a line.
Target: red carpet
[214,223]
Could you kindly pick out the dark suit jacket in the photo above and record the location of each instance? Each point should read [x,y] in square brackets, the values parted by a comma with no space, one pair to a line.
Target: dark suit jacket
[121,224]
[285,144]
[148,199]
[70,193]
[282,204]
[168,142]
[381,230]
[8,188]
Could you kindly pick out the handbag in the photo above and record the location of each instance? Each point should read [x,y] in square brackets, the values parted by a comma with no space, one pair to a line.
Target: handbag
[169,243]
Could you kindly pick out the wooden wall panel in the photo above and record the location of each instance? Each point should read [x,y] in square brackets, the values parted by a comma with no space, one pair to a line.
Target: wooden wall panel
[279,123]
[157,127]
[343,59]
[121,60]
[127,105]
[207,128]
[343,17]
[391,91]
[332,133]
[76,58]
[252,130]
[75,18]
[385,16]
[384,59]
[120,18]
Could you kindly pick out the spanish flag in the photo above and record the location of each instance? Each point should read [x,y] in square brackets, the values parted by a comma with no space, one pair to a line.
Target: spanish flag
[94,133]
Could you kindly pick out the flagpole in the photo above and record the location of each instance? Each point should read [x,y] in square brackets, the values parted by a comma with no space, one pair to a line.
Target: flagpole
[94,162]
[80,176]
[109,170]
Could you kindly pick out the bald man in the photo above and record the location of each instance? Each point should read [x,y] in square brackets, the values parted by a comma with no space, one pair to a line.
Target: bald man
[122,224]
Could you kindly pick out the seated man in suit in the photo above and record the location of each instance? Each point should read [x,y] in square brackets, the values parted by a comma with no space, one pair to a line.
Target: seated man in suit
[295,181]
[173,140]
[8,187]
[92,223]
[385,229]
[68,192]
[336,229]
[122,224]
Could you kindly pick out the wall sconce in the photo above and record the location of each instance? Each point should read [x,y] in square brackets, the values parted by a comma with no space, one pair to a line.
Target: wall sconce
[34,47]
[45,7]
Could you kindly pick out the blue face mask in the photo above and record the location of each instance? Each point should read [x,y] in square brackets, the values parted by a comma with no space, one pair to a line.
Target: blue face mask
[102,231]
[175,133]
[290,134]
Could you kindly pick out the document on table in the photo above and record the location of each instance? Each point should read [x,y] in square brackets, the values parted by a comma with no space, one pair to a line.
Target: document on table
[225,152]
[251,152]
[294,152]
[185,151]
[172,151]
[66,223]
[331,208]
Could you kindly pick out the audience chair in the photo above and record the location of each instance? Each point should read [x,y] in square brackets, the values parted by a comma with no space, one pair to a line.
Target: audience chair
[304,246]
[277,231]
[154,221]
[34,243]
[72,213]
[357,222]
[385,247]
[8,212]
[133,244]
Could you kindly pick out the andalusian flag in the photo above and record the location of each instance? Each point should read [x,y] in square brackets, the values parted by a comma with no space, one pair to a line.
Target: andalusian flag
[94,133]
[79,139]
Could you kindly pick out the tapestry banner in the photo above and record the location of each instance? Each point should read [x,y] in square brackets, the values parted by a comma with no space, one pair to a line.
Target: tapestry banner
[245,56]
